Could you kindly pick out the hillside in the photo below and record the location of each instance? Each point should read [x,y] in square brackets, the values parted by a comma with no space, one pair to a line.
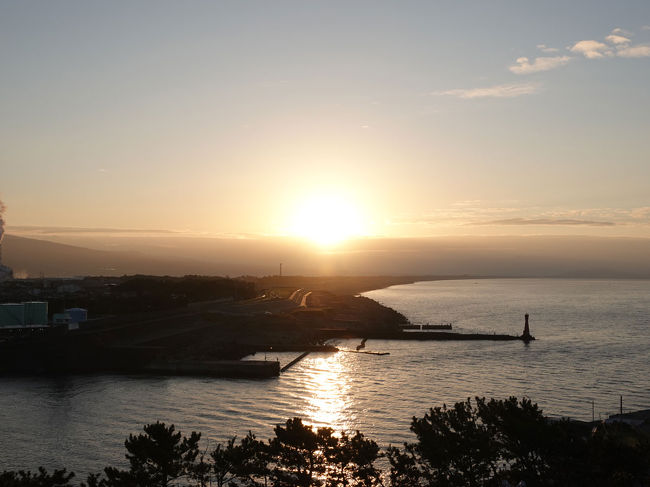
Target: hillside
[532,256]
[31,258]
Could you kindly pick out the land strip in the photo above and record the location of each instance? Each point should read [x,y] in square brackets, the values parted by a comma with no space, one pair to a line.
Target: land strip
[203,336]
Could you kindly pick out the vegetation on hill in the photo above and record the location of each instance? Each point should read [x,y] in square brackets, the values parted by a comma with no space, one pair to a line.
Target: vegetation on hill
[473,443]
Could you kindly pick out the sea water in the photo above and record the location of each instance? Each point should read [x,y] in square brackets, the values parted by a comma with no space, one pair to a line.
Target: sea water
[592,347]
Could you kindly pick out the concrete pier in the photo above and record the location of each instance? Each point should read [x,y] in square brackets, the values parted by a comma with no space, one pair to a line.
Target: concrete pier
[294,361]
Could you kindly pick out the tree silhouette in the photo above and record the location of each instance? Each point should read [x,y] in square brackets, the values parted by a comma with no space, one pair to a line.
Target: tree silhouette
[299,454]
[244,464]
[352,462]
[157,457]
[59,478]
[473,443]
[488,442]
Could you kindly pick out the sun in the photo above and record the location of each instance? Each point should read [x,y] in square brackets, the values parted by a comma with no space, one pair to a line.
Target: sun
[327,220]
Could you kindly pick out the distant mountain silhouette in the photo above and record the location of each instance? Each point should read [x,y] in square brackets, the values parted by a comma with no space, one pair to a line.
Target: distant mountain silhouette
[31,258]
[503,256]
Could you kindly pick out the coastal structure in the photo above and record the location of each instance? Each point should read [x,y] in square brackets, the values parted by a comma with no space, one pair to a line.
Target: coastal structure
[526,336]
[21,315]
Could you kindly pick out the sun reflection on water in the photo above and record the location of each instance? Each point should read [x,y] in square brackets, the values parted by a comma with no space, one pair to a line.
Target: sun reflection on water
[327,385]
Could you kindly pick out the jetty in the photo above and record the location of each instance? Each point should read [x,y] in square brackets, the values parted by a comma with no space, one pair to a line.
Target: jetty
[443,336]
[406,332]
[294,361]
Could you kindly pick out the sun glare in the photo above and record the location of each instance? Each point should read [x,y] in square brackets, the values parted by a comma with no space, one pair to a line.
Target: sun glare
[327,220]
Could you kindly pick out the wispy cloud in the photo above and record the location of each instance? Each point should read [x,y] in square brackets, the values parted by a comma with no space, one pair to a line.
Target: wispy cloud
[622,32]
[524,66]
[546,49]
[34,230]
[65,233]
[512,90]
[478,213]
[618,43]
[641,213]
[546,221]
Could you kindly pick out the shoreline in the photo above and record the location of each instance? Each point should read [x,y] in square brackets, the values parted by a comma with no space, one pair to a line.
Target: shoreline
[199,337]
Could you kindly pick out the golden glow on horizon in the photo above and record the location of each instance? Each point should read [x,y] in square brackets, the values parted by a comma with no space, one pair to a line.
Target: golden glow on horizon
[327,220]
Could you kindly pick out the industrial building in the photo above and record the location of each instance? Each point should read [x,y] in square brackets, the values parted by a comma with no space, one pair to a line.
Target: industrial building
[23,315]
[70,317]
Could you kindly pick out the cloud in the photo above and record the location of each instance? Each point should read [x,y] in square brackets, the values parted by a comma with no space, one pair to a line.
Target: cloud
[620,31]
[640,50]
[617,39]
[546,221]
[619,45]
[621,40]
[465,214]
[591,49]
[524,66]
[42,230]
[498,91]
[545,48]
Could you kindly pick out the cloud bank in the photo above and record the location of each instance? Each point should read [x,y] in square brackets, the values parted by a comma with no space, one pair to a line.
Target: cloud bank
[477,213]
[512,90]
[547,221]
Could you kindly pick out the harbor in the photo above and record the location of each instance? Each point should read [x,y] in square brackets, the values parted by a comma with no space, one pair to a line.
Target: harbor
[203,337]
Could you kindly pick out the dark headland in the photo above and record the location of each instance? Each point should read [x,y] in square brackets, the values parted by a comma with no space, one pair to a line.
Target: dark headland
[200,325]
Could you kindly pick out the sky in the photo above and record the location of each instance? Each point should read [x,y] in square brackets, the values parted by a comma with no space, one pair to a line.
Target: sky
[404,119]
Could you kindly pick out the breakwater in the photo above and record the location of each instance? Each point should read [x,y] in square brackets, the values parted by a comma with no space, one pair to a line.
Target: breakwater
[442,336]
[331,333]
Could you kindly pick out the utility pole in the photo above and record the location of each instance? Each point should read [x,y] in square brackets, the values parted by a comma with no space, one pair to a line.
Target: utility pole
[621,408]
[280,269]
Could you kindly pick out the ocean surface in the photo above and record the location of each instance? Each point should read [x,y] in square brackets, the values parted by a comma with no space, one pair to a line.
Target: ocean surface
[593,345]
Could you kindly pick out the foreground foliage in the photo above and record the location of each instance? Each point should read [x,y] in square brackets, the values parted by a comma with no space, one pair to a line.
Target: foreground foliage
[473,443]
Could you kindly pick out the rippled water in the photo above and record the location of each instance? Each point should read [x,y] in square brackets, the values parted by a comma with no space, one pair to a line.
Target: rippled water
[592,344]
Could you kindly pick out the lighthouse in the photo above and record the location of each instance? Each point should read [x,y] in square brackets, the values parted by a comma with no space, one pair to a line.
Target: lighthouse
[526,336]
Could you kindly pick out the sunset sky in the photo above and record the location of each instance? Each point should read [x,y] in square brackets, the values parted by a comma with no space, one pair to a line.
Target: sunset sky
[402,118]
